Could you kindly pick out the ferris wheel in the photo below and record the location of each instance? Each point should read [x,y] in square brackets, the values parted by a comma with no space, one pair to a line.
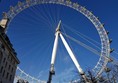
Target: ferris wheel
[105,43]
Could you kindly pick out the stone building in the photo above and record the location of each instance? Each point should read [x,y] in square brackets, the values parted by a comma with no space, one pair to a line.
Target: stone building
[8,59]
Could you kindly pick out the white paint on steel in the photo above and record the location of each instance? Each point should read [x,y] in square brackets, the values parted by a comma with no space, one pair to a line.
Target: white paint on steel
[23,74]
[55,44]
[71,54]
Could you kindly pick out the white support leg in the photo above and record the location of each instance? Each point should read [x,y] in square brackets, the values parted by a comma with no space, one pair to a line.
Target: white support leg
[71,54]
[54,51]
[73,58]
[55,46]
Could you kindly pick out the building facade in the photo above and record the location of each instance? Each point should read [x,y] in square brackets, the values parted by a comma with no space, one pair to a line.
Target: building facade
[8,59]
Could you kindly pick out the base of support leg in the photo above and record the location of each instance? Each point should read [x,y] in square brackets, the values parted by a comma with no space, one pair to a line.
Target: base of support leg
[85,78]
[51,73]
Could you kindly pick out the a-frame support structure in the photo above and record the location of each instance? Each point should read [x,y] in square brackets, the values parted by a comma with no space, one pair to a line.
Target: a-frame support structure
[72,56]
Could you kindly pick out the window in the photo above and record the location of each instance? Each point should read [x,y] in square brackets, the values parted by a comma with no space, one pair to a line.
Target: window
[4,60]
[11,59]
[0,81]
[2,46]
[6,64]
[3,73]
[1,69]
[12,70]
[10,77]
[8,57]
[7,75]
[1,56]
[9,67]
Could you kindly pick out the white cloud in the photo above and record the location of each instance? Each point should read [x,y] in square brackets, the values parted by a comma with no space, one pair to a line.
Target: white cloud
[67,59]
[40,74]
[65,76]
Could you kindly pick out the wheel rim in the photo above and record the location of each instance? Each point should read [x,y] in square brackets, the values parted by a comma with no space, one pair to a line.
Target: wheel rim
[105,47]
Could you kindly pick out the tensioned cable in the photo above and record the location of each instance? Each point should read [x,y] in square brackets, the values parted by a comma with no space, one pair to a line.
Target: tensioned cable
[90,48]
[82,44]
[40,14]
[85,37]
[66,34]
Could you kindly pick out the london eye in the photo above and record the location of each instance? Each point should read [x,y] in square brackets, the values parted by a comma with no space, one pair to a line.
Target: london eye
[44,28]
